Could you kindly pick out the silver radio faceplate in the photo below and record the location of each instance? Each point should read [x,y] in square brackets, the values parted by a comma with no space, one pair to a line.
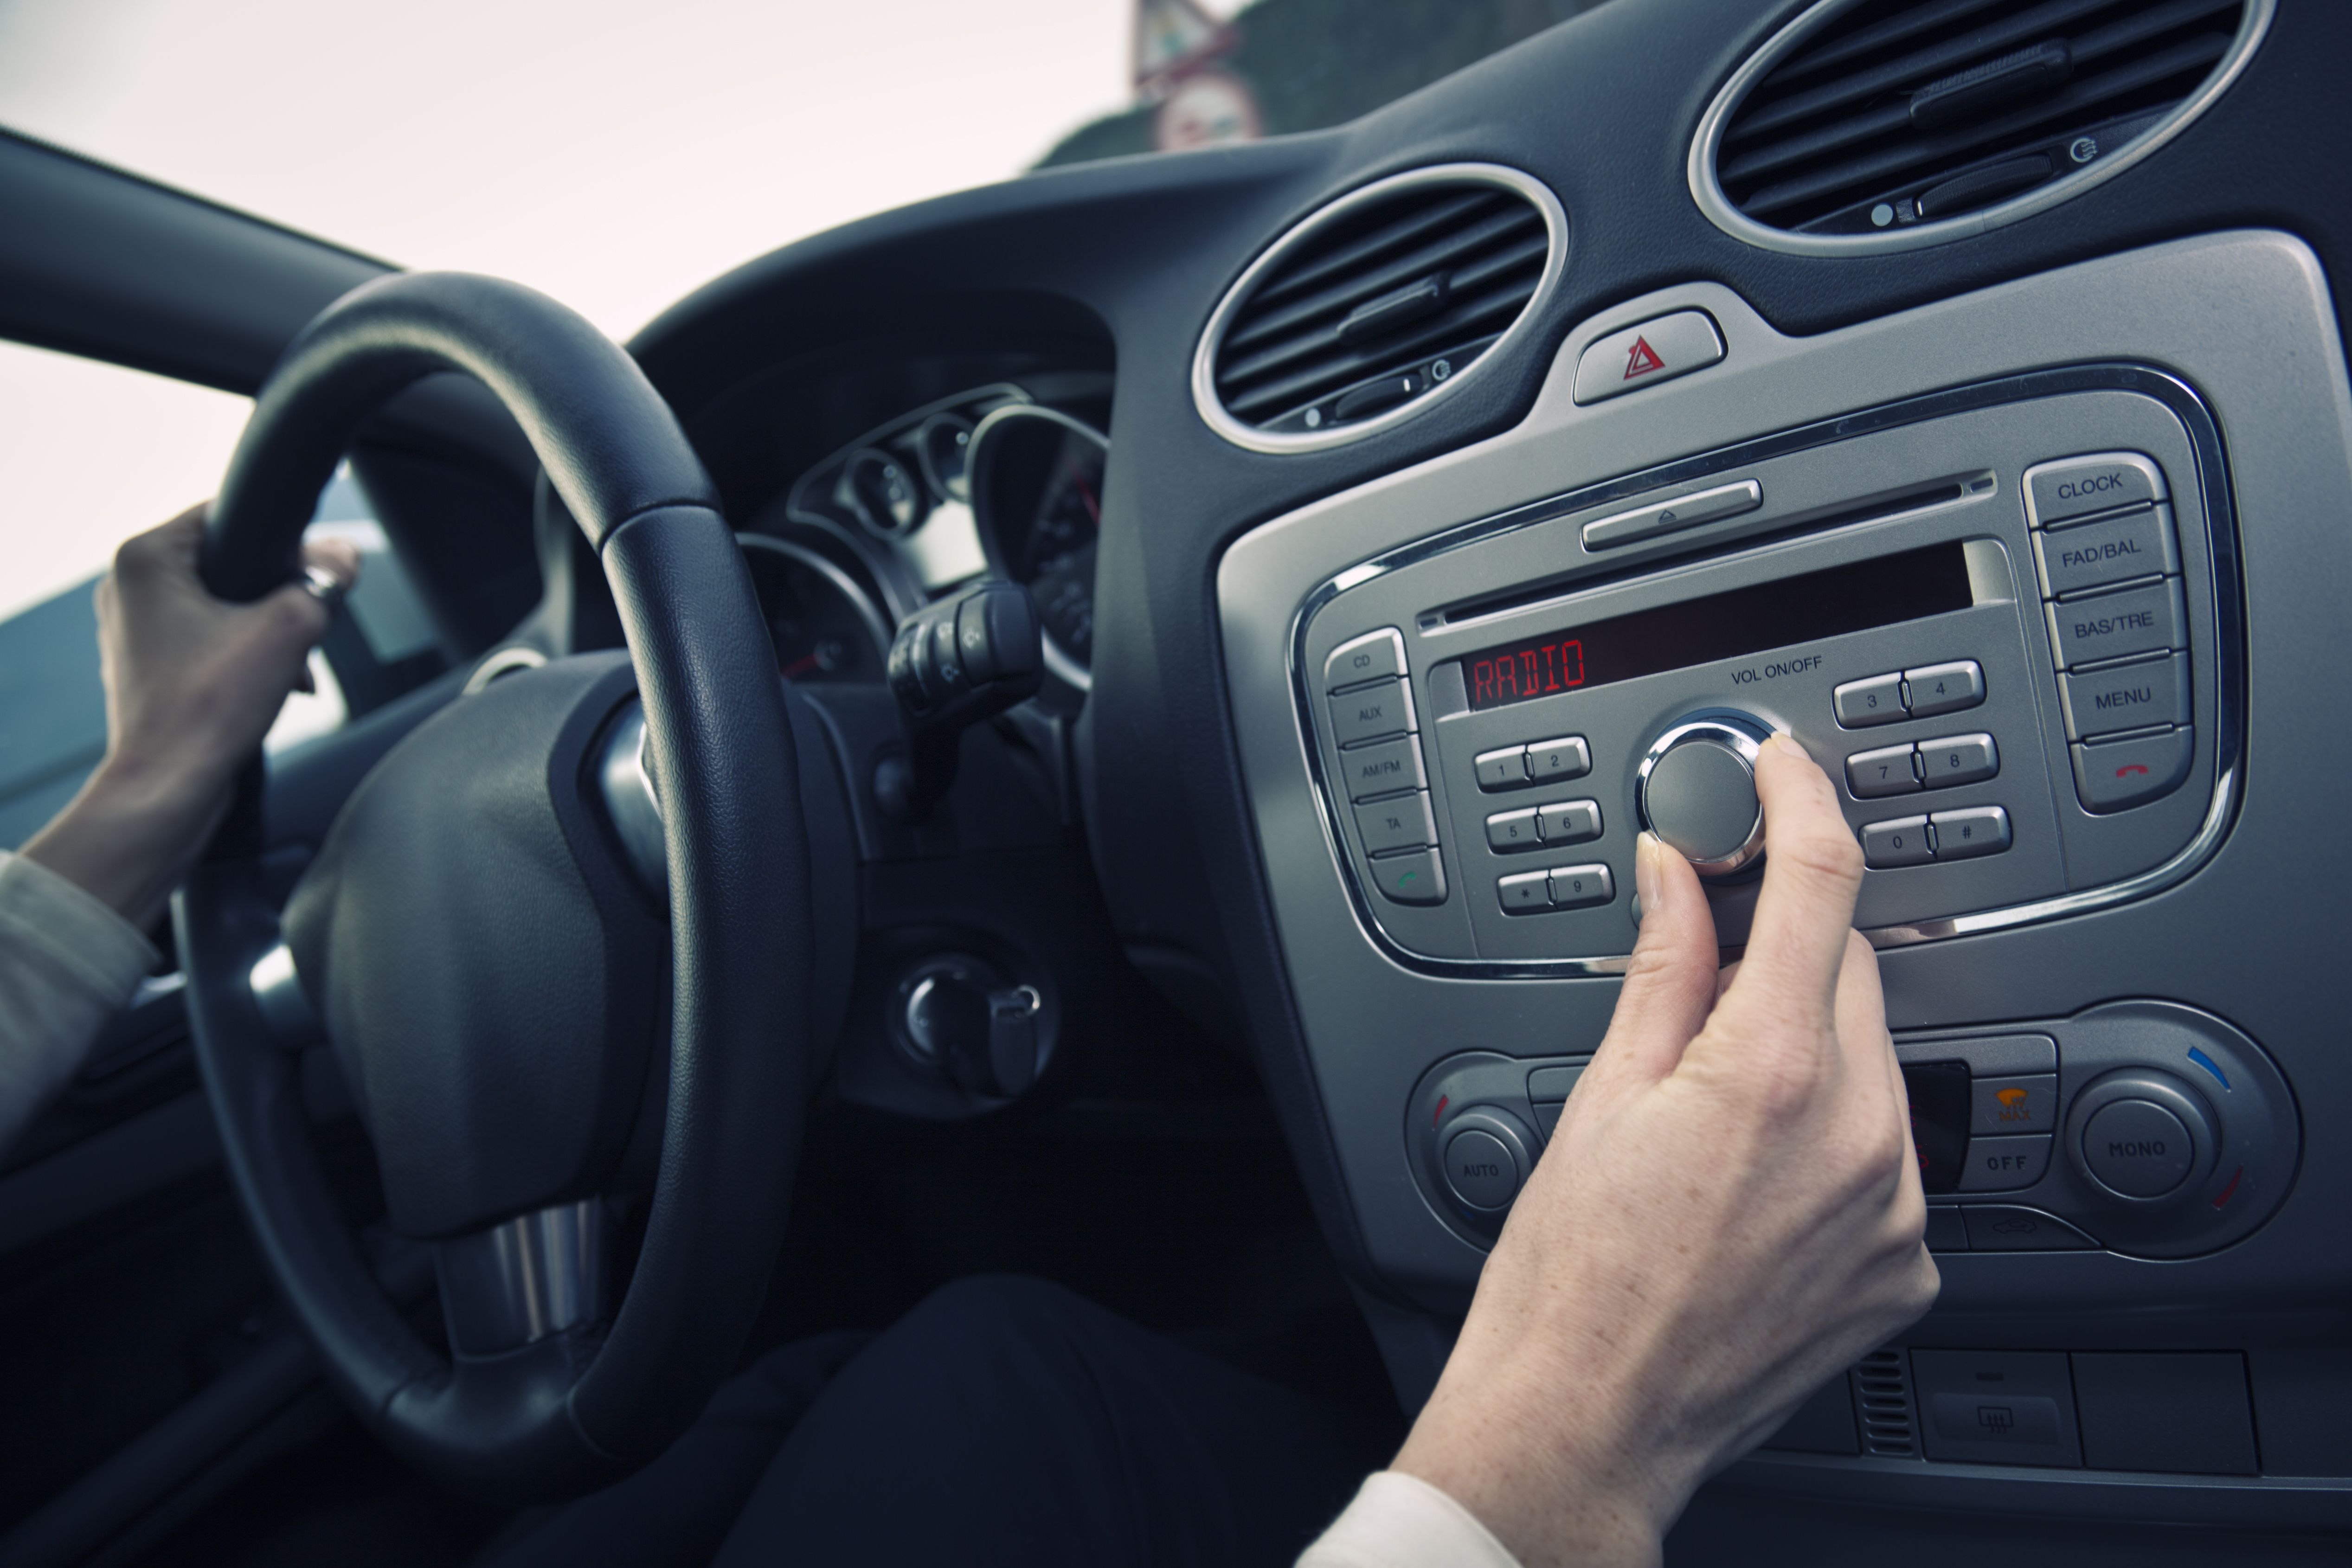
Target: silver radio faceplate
[2003,617]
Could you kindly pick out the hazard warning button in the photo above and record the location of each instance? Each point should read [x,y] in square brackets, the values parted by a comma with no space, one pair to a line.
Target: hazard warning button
[1643,356]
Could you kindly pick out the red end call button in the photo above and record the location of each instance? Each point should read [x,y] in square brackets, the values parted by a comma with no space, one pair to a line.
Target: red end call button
[2110,775]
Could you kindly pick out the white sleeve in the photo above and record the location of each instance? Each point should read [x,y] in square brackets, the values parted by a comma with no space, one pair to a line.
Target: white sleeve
[1402,1522]
[68,963]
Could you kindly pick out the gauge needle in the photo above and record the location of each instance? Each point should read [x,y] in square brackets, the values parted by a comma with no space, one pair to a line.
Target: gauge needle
[1087,494]
[800,666]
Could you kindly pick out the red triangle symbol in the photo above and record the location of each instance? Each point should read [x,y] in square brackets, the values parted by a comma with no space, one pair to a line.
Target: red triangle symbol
[1643,360]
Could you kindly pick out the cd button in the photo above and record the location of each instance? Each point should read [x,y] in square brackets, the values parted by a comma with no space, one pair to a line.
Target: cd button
[1959,760]
[1861,703]
[1936,689]
[1872,775]
[1367,658]
[1372,712]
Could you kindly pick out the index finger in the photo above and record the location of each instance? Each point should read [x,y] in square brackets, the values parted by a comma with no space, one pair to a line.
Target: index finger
[1812,873]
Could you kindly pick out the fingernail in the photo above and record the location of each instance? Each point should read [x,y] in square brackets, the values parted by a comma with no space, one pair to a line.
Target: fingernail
[1788,743]
[1649,884]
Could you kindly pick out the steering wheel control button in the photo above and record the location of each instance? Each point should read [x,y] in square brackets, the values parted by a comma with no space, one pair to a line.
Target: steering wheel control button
[1399,822]
[1373,656]
[2004,1164]
[2107,550]
[1673,516]
[1957,760]
[1888,845]
[2007,1107]
[1372,712]
[1697,793]
[1890,770]
[2114,775]
[1552,761]
[1480,1169]
[1970,832]
[1508,832]
[2080,487]
[1569,821]
[1525,893]
[2151,618]
[1504,769]
[2001,1227]
[1875,701]
[1416,877]
[1581,887]
[1641,356]
[2138,1149]
[1938,689]
[2117,698]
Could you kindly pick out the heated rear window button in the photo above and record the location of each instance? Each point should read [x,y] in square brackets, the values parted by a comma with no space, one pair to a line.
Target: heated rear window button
[2122,696]
[2115,775]
[2004,1164]
[2103,482]
[1886,845]
[1656,351]
[2000,1408]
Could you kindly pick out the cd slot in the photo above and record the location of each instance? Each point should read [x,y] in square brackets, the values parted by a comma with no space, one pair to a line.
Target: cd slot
[1870,509]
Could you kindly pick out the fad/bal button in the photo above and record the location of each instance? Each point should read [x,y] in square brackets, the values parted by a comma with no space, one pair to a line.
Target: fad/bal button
[1480,1169]
[2138,1149]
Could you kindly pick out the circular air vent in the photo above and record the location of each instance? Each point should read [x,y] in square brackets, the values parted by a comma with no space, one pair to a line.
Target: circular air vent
[1883,124]
[1376,305]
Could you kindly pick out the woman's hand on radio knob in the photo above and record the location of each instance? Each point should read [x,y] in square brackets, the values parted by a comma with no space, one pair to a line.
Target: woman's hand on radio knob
[1728,1215]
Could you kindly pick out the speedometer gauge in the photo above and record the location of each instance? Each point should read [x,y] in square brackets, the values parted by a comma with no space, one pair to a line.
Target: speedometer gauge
[825,627]
[1036,488]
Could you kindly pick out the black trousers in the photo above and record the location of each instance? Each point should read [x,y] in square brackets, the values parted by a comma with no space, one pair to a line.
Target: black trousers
[1002,1421]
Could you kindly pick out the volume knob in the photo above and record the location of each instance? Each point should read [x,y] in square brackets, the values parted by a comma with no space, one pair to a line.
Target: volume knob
[1697,791]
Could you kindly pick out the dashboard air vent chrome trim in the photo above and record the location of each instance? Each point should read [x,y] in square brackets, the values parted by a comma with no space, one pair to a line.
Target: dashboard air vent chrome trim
[1926,92]
[1441,273]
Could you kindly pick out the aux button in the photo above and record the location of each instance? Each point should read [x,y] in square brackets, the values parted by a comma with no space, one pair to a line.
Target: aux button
[1697,791]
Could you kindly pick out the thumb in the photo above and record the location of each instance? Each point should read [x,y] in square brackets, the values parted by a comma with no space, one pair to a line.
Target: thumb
[1670,980]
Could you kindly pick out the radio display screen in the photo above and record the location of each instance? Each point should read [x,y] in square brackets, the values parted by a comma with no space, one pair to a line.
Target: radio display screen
[1881,592]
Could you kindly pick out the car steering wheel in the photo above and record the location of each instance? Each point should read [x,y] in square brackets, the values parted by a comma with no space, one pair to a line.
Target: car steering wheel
[520,1028]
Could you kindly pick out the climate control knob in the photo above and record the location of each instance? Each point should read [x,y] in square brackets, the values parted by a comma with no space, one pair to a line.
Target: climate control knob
[2142,1135]
[1697,791]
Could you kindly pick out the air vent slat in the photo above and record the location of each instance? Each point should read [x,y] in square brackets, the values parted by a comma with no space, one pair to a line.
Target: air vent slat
[1413,282]
[1889,99]
[1446,251]
[2085,98]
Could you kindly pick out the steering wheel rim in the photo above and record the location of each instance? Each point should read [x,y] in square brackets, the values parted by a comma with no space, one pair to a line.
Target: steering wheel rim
[576,1409]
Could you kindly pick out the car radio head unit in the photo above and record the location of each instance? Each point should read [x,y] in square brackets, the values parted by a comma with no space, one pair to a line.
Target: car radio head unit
[1998,626]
